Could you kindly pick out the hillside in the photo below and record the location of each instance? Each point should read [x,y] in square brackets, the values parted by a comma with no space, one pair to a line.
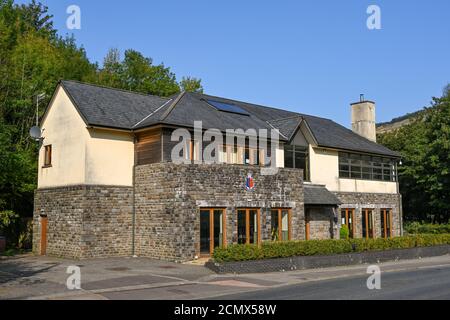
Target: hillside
[397,123]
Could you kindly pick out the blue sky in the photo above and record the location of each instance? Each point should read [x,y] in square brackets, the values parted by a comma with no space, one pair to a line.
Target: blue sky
[313,57]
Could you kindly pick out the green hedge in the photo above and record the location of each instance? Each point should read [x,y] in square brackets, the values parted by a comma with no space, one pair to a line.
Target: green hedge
[272,250]
[427,228]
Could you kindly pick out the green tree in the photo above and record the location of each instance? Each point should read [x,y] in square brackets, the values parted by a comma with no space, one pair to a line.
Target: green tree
[425,173]
[189,84]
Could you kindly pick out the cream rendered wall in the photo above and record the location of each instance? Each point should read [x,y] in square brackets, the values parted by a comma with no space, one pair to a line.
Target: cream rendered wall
[65,130]
[324,165]
[81,155]
[109,158]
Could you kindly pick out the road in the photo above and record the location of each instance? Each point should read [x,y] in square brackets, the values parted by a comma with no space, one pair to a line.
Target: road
[427,283]
[33,277]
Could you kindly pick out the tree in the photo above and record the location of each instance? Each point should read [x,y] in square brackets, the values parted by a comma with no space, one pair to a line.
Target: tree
[33,58]
[189,84]
[138,73]
[425,173]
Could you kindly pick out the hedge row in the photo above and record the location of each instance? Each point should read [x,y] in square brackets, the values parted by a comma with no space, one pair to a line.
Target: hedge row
[272,250]
[427,228]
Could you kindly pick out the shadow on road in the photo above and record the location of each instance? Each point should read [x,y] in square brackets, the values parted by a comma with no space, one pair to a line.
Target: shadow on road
[18,269]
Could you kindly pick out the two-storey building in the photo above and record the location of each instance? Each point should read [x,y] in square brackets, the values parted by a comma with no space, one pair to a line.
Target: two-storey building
[123,173]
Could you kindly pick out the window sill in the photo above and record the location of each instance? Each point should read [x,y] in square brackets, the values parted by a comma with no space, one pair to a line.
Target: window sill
[47,167]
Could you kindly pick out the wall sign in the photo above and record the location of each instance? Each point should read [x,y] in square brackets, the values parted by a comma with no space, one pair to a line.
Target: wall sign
[249,183]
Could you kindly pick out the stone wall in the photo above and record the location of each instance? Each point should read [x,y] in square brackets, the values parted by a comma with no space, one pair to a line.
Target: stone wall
[169,196]
[321,223]
[85,221]
[376,202]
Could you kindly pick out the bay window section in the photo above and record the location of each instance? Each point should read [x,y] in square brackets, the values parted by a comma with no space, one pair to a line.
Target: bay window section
[365,167]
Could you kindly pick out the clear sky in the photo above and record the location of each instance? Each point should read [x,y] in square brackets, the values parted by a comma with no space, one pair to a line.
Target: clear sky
[313,57]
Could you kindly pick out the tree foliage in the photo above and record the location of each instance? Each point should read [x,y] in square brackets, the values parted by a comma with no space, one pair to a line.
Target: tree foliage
[425,173]
[33,58]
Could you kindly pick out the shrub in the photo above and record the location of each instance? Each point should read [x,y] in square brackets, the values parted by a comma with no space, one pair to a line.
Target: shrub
[427,228]
[344,233]
[272,250]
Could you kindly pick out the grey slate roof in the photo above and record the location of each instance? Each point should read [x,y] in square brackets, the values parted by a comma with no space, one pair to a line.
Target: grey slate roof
[108,107]
[319,195]
[127,110]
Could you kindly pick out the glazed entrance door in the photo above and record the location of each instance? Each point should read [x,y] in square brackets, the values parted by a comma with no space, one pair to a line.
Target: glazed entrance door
[212,230]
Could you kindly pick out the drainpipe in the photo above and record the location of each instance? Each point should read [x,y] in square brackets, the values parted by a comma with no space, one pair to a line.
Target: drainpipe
[133,232]
[400,205]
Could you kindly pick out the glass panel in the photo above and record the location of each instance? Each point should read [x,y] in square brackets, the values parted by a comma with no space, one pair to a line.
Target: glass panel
[285,225]
[247,156]
[355,172]
[344,174]
[371,233]
[253,226]
[274,225]
[218,228]
[288,158]
[242,232]
[363,223]
[350,223]
[388,223]
[204,232]
[227,107]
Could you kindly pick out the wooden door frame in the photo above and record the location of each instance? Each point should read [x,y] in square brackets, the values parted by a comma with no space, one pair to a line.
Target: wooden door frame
[247,223]
[365,215]
[280,222]
[211,229]
[347,210]
[384,213]
[44,227]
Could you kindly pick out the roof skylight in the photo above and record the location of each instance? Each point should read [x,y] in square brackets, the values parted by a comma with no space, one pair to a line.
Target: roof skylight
[227,107]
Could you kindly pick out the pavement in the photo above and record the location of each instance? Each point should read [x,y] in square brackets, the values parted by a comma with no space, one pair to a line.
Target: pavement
[44,278]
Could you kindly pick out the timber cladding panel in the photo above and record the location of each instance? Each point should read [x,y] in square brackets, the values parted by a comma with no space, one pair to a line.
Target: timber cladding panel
[168,199]
[85,221]
[375,202]
[148,147]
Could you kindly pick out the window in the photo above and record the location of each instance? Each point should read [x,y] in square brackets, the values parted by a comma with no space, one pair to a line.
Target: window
[48,156]
[280,224]
[386,223]
[367,224]
[249,226]
[297,157]
[348,218]
[356,166]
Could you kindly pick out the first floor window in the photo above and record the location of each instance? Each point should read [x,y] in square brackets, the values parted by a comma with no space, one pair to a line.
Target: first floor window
[365,167]
[248,226]
[48,156]
[280,224]
[297,157]
[347,219]
[386,223]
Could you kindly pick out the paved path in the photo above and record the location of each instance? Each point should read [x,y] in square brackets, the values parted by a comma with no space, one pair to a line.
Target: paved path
[30,277]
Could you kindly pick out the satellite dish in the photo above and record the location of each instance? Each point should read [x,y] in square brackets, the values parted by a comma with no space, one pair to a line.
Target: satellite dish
[35,133]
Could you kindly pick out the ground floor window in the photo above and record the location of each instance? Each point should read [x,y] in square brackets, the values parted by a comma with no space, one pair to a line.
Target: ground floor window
[367,224]
[249,226]
[386,223]
[348,218]
[280,224]
[212,230]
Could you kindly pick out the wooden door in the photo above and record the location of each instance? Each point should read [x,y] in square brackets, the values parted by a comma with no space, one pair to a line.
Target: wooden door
[44,222]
